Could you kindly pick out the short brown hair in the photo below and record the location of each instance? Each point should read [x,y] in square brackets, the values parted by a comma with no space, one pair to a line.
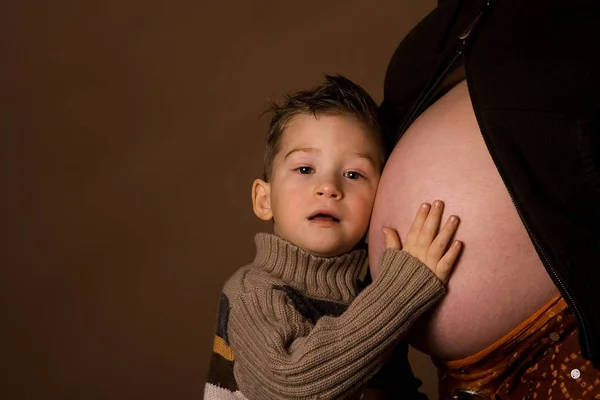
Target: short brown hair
[337,95]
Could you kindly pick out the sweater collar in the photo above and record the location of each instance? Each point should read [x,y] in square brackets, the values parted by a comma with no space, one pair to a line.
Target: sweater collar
[332,278]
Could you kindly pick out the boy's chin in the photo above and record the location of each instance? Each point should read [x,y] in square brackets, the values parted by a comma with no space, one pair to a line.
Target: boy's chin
[323,246]
[325,250]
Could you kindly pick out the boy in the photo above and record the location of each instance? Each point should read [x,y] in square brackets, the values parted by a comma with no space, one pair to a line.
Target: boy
[292,324]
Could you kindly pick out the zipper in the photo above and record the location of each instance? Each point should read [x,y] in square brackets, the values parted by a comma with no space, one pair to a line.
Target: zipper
[549,266]
[417,110]
[459,52]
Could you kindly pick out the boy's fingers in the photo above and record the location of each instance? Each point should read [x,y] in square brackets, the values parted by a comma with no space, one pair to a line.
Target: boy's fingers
[392,241]
[417,225]
[445,265]
[431,225]
[440,243]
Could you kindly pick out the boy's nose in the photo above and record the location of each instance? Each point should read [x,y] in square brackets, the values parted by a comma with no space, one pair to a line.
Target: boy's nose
[328,190]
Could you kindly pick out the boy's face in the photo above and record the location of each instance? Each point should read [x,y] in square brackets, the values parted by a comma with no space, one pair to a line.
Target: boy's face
[323,184]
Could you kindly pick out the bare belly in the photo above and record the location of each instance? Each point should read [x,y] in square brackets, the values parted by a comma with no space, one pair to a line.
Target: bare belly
[499,280]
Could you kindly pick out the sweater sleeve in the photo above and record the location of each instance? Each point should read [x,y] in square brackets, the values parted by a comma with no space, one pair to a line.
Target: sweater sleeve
[281,355]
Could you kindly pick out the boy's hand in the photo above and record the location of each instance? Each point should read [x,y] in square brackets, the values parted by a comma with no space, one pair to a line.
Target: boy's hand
[425,243]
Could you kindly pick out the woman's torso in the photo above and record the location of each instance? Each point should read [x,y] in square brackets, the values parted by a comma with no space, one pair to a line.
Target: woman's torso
[499,280]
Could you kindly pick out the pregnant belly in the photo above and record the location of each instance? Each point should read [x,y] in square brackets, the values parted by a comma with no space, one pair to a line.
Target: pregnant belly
[499,279]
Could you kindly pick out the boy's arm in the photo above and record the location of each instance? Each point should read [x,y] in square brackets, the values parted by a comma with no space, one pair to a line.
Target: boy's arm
[281,355]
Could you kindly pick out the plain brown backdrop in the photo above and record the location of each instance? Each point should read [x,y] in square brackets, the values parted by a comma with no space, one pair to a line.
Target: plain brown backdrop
[129,140]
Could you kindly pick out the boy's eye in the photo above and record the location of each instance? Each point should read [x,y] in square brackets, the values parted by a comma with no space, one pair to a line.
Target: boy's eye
[352,175]
[304,170]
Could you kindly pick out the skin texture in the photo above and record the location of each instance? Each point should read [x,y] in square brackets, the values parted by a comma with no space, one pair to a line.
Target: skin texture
[328,164]
[499,280]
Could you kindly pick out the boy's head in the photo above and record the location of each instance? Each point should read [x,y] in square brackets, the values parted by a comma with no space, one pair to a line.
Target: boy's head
[323,159]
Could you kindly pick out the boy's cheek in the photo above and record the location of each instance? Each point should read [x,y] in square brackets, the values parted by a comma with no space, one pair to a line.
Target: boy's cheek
[366,204]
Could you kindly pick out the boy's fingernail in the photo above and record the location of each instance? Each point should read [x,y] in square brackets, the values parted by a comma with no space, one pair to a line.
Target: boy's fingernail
[437,204]
[424,206]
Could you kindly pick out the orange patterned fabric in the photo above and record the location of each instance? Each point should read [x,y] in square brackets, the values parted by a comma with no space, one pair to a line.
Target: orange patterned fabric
[539,359]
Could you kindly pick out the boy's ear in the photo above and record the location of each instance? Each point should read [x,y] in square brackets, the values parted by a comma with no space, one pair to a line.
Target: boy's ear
[261,200]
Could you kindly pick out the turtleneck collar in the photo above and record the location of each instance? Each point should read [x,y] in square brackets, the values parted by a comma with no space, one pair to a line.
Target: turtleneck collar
[333,278]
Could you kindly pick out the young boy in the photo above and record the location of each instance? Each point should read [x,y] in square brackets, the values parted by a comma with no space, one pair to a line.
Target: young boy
[291,325]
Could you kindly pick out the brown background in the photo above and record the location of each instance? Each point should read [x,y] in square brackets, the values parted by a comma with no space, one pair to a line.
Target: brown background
[129,141]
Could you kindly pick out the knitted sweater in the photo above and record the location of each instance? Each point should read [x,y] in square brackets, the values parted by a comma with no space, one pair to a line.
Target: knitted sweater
[298,329]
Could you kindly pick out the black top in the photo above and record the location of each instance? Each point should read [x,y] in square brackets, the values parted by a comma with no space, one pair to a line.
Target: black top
[533,72]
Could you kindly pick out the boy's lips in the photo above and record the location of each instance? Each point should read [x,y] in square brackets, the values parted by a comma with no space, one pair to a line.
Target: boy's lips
[324,216]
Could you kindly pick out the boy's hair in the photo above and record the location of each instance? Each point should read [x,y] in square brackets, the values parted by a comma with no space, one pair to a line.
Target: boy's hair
[337,95]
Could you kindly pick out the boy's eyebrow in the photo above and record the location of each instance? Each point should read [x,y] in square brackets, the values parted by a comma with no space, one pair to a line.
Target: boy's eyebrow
[303,149]
[313,150]
[367,157]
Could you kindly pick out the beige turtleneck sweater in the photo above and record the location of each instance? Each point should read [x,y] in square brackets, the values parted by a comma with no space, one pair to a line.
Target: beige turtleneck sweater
[297,328]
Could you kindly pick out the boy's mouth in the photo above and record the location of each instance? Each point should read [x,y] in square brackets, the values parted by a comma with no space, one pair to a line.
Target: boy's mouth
[323,216]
